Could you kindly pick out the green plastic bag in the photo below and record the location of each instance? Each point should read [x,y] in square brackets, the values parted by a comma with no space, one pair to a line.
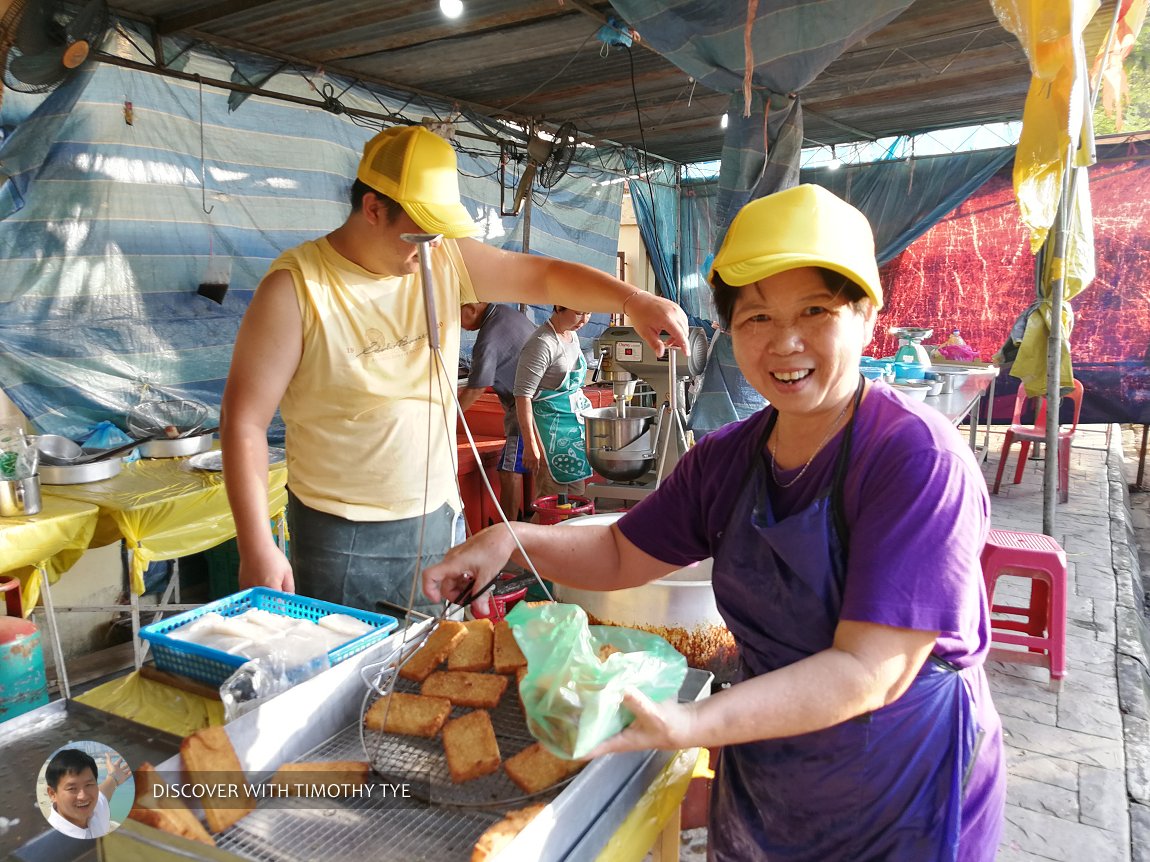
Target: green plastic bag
[572,697]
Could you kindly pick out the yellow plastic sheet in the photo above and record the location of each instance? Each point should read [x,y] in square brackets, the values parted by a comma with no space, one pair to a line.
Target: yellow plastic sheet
[163,509]
[157,705]
[635,836]
[1056,114]
[49,542]
[1077,272]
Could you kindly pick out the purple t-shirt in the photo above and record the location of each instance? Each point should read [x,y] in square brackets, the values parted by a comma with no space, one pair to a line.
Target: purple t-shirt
[915,502]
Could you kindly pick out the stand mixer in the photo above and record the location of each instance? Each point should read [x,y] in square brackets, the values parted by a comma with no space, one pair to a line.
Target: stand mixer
[636,447]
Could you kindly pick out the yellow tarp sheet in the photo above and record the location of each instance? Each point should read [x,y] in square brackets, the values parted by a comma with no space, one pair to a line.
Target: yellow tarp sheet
[50,541]
[157,705]
[163,509]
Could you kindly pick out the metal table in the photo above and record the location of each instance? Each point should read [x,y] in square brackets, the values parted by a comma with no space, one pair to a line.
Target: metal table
[965,402]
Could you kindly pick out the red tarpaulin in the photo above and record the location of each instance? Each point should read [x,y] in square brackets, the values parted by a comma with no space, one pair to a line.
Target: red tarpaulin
[974,271]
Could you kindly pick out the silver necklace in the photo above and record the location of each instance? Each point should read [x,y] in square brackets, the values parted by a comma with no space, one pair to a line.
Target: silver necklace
[806,466]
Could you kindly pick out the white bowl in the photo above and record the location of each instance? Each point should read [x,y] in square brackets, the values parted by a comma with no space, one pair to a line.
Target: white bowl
[918,391]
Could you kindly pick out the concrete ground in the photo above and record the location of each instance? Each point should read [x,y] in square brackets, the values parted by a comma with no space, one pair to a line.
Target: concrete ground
[1078,759]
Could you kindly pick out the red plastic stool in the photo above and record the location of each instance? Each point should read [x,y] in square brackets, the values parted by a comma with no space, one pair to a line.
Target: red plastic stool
[1042,630]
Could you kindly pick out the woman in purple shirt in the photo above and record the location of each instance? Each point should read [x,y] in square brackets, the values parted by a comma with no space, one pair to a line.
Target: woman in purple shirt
[846,524]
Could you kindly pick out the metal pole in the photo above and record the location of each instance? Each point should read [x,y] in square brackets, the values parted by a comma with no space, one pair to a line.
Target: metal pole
[1056,269]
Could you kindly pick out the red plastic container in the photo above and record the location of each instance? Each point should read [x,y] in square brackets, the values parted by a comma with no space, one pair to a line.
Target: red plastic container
[550,512]
[499,603]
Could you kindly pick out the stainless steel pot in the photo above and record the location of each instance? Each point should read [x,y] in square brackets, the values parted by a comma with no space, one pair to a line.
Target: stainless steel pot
[619,447]
[78,474]
[177,448]
[679,607]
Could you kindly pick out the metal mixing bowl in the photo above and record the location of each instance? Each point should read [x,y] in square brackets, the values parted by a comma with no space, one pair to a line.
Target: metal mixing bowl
[619,448]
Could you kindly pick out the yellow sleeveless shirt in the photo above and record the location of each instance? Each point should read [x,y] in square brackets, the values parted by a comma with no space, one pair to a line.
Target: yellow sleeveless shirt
[369,415]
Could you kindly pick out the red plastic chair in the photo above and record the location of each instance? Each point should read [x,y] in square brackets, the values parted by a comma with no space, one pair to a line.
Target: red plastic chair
[1036,433]
[1042,627]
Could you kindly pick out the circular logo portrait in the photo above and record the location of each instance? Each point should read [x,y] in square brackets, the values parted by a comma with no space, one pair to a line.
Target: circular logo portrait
[85,789]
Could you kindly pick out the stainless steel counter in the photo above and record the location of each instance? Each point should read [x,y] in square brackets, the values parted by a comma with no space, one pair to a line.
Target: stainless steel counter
[319,720]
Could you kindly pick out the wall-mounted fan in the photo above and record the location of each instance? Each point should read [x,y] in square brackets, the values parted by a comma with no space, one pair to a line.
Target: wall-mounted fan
[49,41]
[547,162]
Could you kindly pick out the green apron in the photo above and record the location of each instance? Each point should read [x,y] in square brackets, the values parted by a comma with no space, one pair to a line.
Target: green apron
[559,419]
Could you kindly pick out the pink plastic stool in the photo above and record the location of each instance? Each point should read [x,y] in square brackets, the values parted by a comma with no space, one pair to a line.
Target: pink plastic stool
[1042,630]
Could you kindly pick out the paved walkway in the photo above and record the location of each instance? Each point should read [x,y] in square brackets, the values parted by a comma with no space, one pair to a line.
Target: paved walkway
[1077,776]
[1078,760]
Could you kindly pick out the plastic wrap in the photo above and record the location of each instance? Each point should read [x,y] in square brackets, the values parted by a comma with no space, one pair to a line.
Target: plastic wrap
[577,674]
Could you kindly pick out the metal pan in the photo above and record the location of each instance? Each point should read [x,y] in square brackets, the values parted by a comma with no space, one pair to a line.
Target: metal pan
[179,447]
[78,474]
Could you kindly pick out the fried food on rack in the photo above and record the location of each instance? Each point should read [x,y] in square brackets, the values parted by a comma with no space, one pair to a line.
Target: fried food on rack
[171,815]
[210,759]
[470,745]
[475,650]
[409,714]
[431,655]
[508,657]
[343,772]
[606,651]
[535,768]
[499,835]
[464,688]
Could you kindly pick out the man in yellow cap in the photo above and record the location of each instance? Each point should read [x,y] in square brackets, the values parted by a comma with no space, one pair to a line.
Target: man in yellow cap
[337,337]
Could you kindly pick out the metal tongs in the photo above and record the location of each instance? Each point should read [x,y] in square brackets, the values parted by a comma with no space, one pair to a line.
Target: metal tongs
[381,673]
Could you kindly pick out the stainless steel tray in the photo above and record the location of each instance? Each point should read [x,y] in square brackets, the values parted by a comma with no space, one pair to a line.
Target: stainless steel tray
[29,739]
[319,720]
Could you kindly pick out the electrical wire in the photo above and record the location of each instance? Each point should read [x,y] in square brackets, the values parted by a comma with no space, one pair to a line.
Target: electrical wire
[528,95]
[643,160]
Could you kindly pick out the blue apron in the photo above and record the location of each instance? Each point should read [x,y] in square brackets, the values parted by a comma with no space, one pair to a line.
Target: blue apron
[883,786]
[559,419]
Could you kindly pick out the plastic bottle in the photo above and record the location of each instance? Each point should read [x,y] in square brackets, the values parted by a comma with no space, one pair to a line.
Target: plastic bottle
[955,339]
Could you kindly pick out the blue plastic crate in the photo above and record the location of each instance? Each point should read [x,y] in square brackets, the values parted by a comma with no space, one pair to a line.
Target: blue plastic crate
[214,666]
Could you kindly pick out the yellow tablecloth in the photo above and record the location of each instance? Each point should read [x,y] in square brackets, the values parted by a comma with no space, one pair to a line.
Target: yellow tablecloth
[164,509]
[49,542]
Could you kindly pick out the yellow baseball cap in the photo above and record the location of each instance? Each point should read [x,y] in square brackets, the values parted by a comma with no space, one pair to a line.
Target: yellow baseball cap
[801,226]
[416,168]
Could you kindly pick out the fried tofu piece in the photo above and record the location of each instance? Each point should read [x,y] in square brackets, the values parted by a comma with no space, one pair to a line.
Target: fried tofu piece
[500,834]
[535,768]
[471,748]
[349,772]
[606,651]
[209,758]
[474,652]
[464,688]
[508,657]
[171,815]
[431,655]
[408,714]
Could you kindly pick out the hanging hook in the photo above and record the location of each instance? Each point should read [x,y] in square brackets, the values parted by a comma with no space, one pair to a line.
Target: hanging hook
[203,173]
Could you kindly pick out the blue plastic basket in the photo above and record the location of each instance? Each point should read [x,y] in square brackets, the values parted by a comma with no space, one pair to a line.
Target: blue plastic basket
[214,666]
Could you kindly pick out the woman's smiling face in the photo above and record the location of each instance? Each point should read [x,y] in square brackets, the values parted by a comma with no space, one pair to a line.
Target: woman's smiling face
[798,342]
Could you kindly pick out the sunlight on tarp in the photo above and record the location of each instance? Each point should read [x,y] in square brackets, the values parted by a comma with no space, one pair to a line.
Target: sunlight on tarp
[135,170]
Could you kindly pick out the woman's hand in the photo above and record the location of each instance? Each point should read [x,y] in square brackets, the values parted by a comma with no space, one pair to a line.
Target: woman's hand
[477,561]
[656,725]
[531,456]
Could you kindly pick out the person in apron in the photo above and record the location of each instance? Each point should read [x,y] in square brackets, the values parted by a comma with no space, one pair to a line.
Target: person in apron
[845,522]
[550,403]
